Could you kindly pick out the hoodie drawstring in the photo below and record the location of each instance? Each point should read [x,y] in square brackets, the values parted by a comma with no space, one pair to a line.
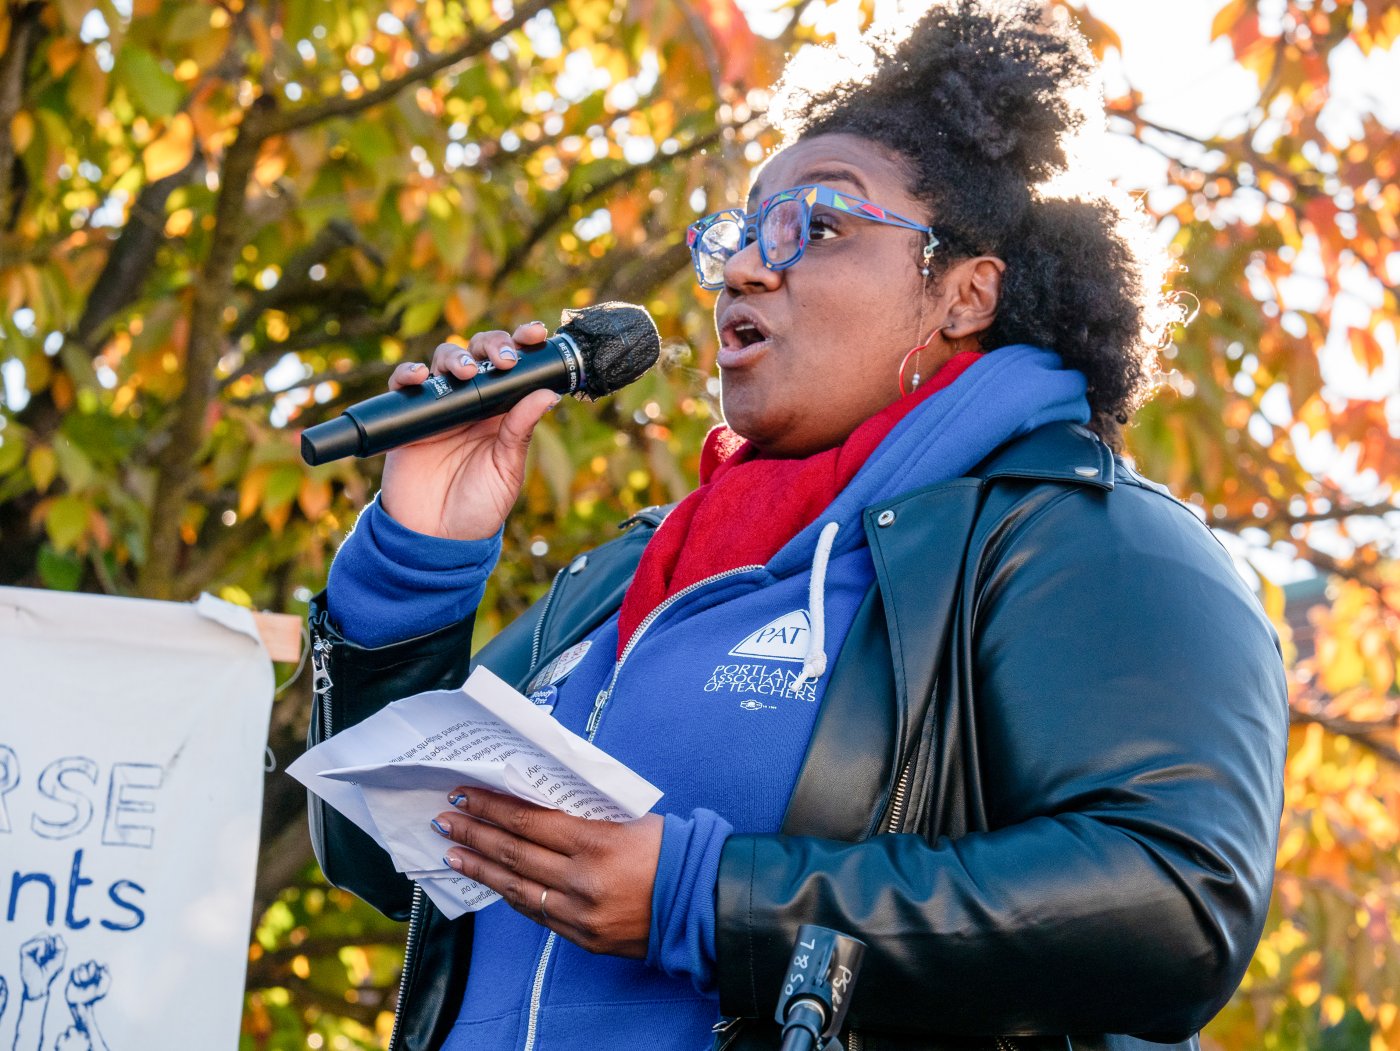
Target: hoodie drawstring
[814,663]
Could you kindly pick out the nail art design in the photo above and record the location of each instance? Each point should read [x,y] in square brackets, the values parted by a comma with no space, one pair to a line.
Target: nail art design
[510,355]
[458,799]
[442,829]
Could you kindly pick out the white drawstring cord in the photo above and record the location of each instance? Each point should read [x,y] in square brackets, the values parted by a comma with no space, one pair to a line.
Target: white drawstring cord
[814,663]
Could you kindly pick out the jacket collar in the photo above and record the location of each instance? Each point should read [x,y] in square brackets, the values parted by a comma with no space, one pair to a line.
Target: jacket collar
[1059,452]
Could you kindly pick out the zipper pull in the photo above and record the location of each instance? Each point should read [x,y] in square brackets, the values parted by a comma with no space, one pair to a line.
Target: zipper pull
[596,716]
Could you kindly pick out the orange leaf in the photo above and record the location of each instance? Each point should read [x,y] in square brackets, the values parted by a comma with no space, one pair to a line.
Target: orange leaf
[251,490]
[314,497]
[63,52]
[22,131]
[1226,18]
[1321,212]
[172,151]
[1367,349]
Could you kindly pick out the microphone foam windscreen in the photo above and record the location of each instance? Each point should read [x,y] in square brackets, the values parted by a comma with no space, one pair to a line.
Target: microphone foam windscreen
[619,342]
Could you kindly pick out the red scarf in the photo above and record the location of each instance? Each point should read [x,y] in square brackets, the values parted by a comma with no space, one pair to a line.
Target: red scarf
[715,527]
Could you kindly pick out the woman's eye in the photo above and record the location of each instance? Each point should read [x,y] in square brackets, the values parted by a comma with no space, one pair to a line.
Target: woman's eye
[822,228]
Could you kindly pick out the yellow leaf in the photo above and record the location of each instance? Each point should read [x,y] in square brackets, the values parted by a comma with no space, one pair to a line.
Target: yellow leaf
[172,151]
[251,489]
[43,465]
[22,131]
[1226,18]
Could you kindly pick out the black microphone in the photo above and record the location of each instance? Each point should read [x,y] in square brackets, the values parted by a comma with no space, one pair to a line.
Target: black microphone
[817,988]
[597,350]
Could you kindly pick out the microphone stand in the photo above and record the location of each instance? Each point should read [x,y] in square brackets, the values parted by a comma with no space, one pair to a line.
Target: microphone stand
[817,991]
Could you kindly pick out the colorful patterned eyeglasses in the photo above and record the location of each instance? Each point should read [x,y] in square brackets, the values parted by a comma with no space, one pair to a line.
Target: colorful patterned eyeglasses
[782,225]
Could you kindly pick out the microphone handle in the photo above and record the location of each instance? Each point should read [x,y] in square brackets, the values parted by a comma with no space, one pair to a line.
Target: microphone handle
[406,415]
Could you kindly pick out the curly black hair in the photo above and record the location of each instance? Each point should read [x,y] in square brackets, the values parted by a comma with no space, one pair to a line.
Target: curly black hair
[982,99]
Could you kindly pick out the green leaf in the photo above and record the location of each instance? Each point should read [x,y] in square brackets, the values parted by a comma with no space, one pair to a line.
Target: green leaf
[66,521]
[189,21]
[282,486]
[151,89]
[420,317]
[59,572]
[11,452]
[73,465]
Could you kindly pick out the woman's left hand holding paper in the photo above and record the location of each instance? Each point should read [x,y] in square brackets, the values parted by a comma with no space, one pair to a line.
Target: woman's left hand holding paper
[591,881]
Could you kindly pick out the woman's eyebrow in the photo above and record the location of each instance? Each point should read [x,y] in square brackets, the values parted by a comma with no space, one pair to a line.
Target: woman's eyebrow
[816,175]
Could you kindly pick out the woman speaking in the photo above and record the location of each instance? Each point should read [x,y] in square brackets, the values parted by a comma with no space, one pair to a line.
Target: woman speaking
[922,659]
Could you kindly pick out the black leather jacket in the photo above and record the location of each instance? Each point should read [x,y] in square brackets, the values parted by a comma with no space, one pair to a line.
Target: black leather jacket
[1044,785]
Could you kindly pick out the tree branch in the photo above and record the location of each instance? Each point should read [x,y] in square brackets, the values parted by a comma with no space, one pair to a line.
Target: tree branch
[564,202]
[343,105]
[1237,522]
[295,279]
[24,31]
[213,289]
[1358,732]
[132,256]
[362,326]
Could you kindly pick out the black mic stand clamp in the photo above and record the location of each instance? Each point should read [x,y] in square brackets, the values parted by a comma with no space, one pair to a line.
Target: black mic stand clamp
[817,989]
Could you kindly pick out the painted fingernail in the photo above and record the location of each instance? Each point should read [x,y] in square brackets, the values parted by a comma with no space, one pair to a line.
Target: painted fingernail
[458,799]
[555,403]
[442,829]
[540,323]
[451,862]
[416,366]
[465,359]
[510,355]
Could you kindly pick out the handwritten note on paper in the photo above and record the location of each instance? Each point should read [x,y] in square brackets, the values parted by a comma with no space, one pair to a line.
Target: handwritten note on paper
[392,773]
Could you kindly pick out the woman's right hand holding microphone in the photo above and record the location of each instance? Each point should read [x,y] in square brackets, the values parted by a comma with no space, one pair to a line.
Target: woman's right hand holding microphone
[462,484]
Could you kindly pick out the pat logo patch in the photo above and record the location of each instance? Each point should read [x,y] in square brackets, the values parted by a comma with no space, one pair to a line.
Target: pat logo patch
[557,670]
[784,639]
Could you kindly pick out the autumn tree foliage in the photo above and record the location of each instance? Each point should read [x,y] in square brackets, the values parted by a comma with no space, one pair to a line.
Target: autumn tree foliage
[220,222]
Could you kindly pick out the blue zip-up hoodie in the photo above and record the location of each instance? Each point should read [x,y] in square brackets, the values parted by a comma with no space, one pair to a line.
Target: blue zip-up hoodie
[713,700]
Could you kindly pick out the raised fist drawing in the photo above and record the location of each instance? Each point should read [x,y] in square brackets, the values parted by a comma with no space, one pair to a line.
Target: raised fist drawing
[87,983]
[40,962]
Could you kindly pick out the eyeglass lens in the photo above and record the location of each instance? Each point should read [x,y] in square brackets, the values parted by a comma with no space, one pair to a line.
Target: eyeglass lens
[720,240]
[781,232]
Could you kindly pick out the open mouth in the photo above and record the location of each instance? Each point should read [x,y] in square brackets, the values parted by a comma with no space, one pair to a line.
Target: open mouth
[747,334]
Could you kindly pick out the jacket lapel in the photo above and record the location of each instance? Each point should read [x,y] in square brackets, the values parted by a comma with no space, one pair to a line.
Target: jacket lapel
[875,701]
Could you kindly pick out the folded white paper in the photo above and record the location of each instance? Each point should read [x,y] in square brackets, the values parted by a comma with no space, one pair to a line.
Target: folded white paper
[392,773]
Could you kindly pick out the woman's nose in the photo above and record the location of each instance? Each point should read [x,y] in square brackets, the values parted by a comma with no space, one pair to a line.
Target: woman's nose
[744,271]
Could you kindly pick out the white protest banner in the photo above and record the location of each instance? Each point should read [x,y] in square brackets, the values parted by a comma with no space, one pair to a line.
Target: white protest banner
[131,769]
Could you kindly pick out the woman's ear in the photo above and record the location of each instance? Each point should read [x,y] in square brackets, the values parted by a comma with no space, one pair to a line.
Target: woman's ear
[972,290]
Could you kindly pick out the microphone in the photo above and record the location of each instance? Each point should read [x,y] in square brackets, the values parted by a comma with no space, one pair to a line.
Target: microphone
[597,350]
[817,988]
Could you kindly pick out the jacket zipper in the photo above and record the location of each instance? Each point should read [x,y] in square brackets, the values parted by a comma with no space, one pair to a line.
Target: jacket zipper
[898,798]
[415,918]
[321,672]
[537,990]
[594,718]
[539,624]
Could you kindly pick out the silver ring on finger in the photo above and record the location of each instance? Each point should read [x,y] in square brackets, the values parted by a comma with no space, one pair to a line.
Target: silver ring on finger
[543,895]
